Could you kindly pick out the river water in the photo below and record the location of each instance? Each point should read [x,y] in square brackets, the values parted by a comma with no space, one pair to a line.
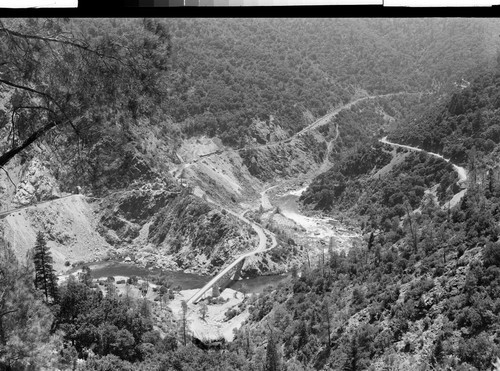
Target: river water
[187,281]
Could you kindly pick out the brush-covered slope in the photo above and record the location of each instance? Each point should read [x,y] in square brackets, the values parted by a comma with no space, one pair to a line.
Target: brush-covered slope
[393,303]
[227,72]
[173,229]
[422,290]
[378,176]
[464,128]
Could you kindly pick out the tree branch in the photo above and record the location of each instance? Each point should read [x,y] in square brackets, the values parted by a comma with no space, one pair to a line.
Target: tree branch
[22,87]
[47,39]
[7,156]
[34,107]
[84,46]
[8,176]
[8,311]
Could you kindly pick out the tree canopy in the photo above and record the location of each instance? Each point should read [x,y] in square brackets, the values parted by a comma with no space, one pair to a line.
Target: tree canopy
[79,84]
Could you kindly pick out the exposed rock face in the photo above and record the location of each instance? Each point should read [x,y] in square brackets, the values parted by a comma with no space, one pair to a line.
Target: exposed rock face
[160,223]
[124,213]
[69,226]
[200,237]
[37,184]
[286,159]
[264,132]
[223,176]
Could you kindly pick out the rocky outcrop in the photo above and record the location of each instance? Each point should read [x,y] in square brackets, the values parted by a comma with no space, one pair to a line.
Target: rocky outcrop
[266,131]
[286,159]
[163,226]
[124,213]
[200,237]
[37,184]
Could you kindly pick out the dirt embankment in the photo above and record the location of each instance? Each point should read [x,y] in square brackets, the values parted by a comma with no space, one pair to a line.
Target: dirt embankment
[158,224]
[69,226]
[69,223]
[222,176]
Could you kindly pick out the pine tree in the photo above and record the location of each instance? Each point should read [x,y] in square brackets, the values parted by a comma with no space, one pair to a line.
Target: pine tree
[215,291]
[351,361]
[203,310]
[272,363]
[110,288]
[45,277]
[184,323]
[86,275]
[26,341]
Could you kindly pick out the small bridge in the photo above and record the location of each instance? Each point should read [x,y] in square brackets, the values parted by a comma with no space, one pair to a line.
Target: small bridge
[231,272]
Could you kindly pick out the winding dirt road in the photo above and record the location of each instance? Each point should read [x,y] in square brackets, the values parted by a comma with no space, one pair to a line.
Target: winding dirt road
[319,122]
[462,172]
[3,214]
[261,247]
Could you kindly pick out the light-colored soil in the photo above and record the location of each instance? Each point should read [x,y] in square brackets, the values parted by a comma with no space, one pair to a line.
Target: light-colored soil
[192,148]
[214,326]
[68,224]
[297,192]
[222,176]
[455,200]
[264,199]
[397,158]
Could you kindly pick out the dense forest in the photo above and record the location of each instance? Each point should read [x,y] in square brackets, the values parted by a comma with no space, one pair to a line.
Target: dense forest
[228,72]
[162,79]
[422,295]
[463,128]
[436,306]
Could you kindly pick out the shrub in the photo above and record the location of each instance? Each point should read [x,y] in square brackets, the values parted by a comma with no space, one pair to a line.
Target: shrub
[133,280]
[491,254]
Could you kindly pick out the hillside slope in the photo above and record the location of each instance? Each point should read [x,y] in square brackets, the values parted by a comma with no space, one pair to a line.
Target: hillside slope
[421,291]
[228,72]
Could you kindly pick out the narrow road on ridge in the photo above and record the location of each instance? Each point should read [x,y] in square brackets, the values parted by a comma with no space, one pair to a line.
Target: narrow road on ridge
[3,214]
[462,172]
[319,122]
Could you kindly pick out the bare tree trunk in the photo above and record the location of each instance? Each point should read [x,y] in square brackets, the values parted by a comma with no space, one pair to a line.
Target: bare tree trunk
[412,230]
[323,261]
[7,156]
[329,324]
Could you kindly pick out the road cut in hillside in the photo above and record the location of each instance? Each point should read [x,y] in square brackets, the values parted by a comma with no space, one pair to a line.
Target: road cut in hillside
[461,172]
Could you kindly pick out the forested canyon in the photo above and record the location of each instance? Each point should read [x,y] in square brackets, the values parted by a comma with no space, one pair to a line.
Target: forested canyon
[249,194]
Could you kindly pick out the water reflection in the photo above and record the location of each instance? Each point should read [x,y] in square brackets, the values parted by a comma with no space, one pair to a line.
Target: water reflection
[187,281]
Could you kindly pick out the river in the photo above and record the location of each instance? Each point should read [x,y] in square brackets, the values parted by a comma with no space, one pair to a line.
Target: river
[187,281]
[320,228]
